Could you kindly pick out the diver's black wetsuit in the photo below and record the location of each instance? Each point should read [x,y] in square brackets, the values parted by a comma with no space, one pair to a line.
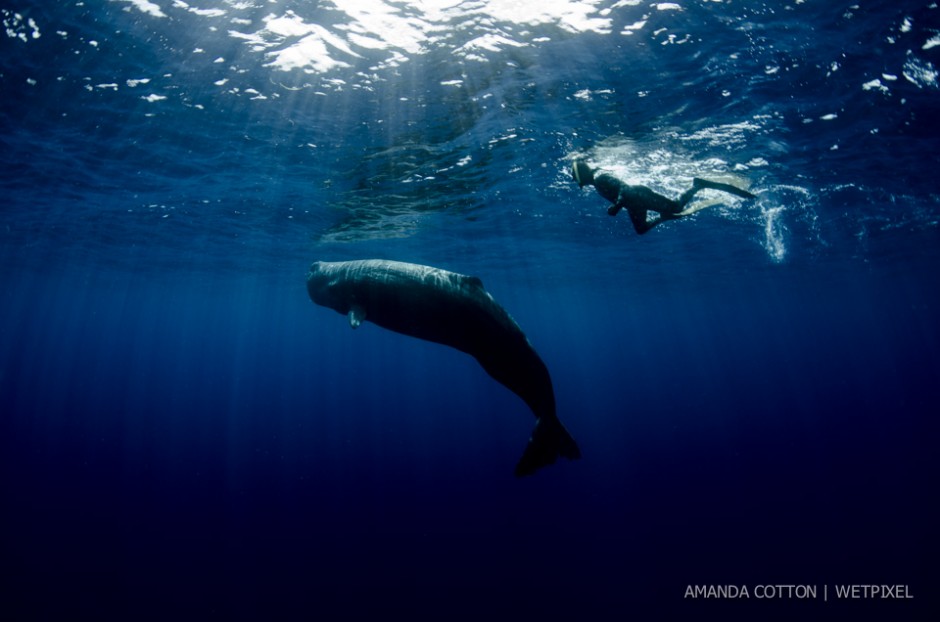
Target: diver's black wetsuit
[639,200]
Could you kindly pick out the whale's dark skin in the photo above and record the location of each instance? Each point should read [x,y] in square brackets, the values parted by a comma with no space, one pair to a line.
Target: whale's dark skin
[454,310]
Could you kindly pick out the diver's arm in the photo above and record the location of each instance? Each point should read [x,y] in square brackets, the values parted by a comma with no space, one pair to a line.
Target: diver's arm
[622,199]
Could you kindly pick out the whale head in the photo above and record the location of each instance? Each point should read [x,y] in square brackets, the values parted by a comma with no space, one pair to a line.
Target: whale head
[325,287]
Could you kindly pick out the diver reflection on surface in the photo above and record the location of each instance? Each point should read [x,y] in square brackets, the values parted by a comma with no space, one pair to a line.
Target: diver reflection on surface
[639,200]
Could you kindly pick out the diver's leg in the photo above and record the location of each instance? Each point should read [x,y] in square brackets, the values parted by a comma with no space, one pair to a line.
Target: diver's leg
[638,218]
[688,194]
[698,184]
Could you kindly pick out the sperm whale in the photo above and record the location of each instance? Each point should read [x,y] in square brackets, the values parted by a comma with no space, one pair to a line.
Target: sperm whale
[454,310]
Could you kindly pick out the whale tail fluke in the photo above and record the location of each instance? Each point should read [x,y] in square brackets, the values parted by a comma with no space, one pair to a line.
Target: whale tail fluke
[549,440]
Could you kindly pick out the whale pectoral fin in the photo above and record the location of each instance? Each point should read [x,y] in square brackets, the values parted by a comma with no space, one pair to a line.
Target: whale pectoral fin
[356,315]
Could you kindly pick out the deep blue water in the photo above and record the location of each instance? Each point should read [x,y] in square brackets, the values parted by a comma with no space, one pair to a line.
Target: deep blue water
[754,389]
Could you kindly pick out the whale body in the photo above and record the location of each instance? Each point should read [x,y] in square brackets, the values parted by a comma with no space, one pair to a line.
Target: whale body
[454,310]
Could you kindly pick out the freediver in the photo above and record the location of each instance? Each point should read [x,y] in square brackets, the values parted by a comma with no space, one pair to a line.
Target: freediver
[638,200]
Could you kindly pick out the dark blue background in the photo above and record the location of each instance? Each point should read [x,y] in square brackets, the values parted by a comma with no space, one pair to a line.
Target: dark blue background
[186,436]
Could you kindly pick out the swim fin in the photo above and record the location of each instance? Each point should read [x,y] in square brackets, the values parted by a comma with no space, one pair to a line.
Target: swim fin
[695,208]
